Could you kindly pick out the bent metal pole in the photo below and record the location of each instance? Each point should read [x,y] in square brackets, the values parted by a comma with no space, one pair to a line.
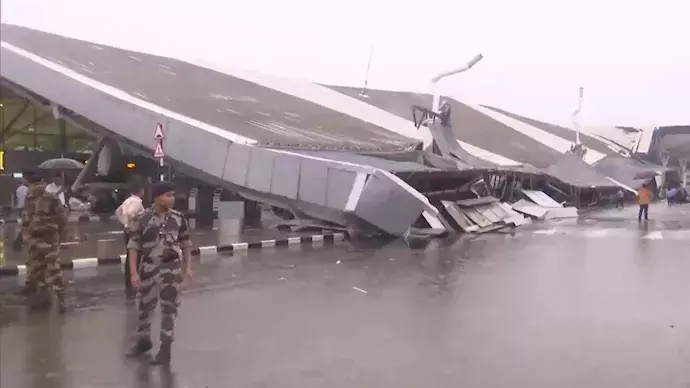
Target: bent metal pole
[576,116]
[434,81]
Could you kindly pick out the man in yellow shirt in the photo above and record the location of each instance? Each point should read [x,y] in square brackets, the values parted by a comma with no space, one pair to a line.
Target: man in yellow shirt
[643,199]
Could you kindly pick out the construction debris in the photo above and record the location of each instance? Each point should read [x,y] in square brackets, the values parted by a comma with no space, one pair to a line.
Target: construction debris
[481,215]
[543,207]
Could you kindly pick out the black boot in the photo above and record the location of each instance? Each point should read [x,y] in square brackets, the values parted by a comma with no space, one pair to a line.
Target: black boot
[62,308]
[142,346]
[163,357]
[28,289]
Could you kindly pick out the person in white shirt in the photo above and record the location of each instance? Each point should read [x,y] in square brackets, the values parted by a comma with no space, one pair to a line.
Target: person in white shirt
[127,213]
[21,193]
[55,187]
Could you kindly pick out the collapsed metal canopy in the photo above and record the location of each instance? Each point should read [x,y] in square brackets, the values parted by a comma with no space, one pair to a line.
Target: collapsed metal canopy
[468,125]
[628,171]
[565,133]
[215,126]
[574,171]
[241,107]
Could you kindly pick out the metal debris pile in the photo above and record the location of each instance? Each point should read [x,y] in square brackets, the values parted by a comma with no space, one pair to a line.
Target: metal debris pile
[481,215]
[540,206]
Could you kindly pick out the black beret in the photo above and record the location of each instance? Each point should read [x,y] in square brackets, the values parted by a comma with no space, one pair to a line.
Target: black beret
[160,188]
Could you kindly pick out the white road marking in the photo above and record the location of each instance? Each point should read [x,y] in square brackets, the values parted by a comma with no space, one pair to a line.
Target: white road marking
[656,235]
[360,290]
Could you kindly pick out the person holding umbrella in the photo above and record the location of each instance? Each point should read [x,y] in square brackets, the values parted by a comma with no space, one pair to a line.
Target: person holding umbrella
[644,197]
[58,167]
[56,188]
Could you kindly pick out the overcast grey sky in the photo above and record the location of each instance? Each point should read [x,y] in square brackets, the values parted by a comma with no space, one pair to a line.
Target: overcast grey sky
[632,57]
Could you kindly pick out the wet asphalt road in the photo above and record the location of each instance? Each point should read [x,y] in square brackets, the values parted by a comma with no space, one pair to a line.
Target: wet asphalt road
[597,303]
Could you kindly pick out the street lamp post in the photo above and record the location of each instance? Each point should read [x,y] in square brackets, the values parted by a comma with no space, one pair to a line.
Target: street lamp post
[434,81]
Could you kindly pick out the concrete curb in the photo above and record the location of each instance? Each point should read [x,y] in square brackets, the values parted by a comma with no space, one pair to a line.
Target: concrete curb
[92,262]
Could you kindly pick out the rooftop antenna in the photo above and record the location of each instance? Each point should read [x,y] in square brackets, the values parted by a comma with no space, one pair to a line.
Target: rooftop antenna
[363,92]
[435,104]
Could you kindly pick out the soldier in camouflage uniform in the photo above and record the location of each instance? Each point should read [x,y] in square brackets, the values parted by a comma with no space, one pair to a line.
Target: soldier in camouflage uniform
[161,236]
[43,223]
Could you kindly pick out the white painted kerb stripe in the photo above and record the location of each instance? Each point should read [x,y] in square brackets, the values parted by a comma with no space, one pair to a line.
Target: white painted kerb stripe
[209,250]
[88,262]
[124,96]
[240,246]
[294,240]
[268,243]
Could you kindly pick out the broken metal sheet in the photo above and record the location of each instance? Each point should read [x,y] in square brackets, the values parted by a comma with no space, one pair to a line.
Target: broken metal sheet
[518,220]
[589,141]
[574,171]
[513,217]
[433,221]
[541,199]
[476,201]
[447,145]
[491,228]
[485,217]
[476,217]
[564,212]
[627,170]
[461,219]
[529,208]
[487,212]
[370,160]
[469,125]
[497,209]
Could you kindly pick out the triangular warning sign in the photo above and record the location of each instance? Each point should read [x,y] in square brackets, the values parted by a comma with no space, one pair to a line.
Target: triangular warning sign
[158,153]
[158,133]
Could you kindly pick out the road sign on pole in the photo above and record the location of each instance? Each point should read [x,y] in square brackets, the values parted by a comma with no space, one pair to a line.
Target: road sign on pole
[158,133]
[159,153]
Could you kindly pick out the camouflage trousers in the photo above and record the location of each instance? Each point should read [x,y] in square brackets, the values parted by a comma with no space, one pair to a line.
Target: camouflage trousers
[159,281]
[43,268]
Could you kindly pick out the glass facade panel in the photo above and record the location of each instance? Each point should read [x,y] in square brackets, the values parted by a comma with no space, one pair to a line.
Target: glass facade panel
[31,128]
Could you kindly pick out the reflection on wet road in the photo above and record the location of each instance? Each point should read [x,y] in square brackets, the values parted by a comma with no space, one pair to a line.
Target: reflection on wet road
[494,311]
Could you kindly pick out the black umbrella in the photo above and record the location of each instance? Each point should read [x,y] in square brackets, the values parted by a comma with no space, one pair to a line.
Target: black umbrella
[61,164]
